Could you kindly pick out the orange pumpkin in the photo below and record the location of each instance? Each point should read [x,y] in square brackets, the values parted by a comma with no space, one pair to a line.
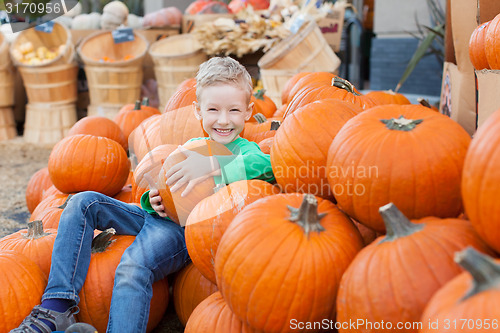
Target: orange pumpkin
[477,50]
[388,97]
[313,79]
[95,296]
[148,170]
[145,138]
[469,302]
[261,129]
[263,104]
[266,144]
[131,115]
[177,207]
[88,163]
[389,154]
[282,258]
[190,289]
[23,284]
[480,181]
[285,92]
[33,242]
[37,185]
[210,218]
[99,126]
[492,43]
[50,209]
[407,266]
[304,170]
[213,315]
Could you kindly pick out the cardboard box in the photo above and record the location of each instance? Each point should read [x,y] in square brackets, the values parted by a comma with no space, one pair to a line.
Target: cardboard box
[488,97]
[331,26]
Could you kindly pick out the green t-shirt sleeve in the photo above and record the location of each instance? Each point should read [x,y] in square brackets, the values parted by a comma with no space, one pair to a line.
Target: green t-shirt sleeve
[145,204]
[248,162]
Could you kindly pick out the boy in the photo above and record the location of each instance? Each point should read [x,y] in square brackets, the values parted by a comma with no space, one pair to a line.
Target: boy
[223,92]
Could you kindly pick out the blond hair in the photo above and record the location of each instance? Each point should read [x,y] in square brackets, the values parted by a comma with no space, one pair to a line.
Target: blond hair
[223,70]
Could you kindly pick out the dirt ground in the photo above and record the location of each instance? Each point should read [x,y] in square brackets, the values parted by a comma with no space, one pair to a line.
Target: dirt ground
[18,162]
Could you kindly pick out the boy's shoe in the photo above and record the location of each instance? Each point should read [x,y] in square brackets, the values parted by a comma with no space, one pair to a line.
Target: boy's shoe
[61,320]
[81,328]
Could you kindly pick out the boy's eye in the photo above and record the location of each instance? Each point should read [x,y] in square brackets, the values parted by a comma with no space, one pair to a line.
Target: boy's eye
[212,109]
[233,110]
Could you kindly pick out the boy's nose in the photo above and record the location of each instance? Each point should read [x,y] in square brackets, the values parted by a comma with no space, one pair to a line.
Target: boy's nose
[223,118]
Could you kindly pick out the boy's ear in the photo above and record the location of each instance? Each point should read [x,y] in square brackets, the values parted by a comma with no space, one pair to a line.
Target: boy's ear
[249,111]
[197,110]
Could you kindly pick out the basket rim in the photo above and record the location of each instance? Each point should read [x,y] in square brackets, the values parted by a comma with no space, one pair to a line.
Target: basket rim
[279,51]
[158,43]
[87,61]
[68,44]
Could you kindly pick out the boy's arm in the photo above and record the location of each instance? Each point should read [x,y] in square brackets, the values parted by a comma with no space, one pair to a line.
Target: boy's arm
[250,163]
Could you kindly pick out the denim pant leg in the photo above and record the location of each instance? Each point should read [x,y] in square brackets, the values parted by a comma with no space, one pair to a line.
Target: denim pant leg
[85,212]
[158,250]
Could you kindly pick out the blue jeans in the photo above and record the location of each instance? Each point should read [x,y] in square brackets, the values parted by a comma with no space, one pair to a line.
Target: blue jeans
[158,250]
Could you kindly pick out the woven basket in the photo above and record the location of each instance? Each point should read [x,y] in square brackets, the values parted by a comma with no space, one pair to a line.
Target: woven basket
[305,51]
[6,74]
[176,58]
[48,123]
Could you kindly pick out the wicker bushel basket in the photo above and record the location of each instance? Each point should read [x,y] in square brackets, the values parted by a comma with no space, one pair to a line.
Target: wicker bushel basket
[113,83]
[176,58]
[305,51]
[7,124]
[48,123]
[6,74]
[59,39]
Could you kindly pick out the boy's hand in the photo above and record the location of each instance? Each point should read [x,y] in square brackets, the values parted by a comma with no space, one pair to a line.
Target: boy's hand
[193,170]
[156,203]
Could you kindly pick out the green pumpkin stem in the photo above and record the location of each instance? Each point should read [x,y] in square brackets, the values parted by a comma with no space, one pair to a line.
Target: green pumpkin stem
[307,215]
[65,202]
[145,101]
[260,118]
[401,123]
[396,224]
[344,84]
[484,270]
[101,242]
[137,105]
[35,230]
[260,94]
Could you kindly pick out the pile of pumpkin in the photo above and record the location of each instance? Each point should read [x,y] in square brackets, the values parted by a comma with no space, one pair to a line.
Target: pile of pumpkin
[365,222]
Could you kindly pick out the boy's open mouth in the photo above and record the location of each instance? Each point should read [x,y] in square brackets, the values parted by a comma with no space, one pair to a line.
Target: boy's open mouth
[221,131]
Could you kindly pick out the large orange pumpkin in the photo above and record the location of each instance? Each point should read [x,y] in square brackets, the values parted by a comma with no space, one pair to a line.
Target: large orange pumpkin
[477,50]
[33,242]
[285,91]
[131,115]
[213,315]
[393,278]
[95,296]
[180,125]
[99,126]
[313,79]
[492,43]
[88,163]
[177,207]
[470,302]
[406,154]
[38,183]
[262,129]
[22,284]
[148,170]
[480,190]
[210,218]
[50,209]
[388,97]
[299,161]
[190,289]
[145,138]
[282,258]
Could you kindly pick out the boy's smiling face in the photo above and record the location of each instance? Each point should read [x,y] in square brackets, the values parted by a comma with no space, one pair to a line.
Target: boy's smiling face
[223,109]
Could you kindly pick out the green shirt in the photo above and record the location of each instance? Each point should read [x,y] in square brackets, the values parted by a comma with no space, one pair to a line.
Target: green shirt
[247,162]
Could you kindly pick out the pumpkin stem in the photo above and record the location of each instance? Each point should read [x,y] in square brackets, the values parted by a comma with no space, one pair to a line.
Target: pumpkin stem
[307,215]
[344,84]
[145,101]
[275,124]
[101,242]
[260,94]
[401,124]
[35,230]
[137,105]
[260,118]
[396,224]
[65,202]
[484,270]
